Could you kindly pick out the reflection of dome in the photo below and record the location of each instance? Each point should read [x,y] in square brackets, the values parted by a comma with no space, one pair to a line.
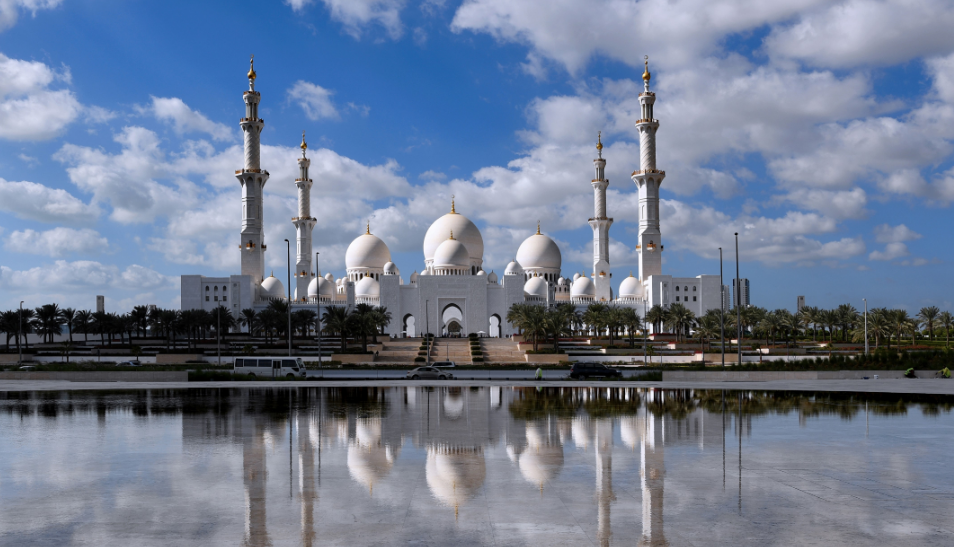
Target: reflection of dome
[542,460]
[491,277]
[513,269]
[391,269]
[272,288]
[451,254]
[454,475]
[369,461]
[367,251]
[453,405]
[536,287]
[629,431]
[630,287]
[581,432]
[320,286]
[539,251]
[464,230]
[583,287]
[368,286]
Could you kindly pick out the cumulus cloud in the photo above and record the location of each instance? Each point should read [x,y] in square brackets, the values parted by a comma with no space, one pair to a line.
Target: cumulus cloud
[34,201]
[838,204]
[56,242]
[891,251]
[885,233]
[83,274]
[10,10]
[314,100]
[31,110]
[185,120]
[360,16]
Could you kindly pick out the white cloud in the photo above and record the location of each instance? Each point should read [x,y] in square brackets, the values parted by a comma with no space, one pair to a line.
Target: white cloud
[885,233]
[56,242]
[891,251]
[848,34]
[83,274]
[30,109]
[97,114]
[34,201]
[10,10]
[839,204]
[298,5]
[358,15]
[185,120]
[314,100]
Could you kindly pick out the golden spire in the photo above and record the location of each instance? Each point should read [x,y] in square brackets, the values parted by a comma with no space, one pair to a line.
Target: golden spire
[646,75]
[538,228]
[453,209]
[599,142]
[251,69]
[452,234]
[304,145]
[367,231]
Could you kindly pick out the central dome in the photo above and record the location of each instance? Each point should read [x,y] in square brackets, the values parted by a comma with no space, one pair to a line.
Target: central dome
[539,251]
[452,253]
[465,232]
[367,251]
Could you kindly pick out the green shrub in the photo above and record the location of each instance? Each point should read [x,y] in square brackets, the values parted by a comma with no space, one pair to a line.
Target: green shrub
[419,359]
[421,353]
[477,359]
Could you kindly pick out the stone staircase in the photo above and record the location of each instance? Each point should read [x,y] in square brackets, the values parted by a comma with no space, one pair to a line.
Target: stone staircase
[451,349]
[501,350]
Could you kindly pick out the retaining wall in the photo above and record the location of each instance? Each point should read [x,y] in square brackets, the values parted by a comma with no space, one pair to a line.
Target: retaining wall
[100,376]
[774,375]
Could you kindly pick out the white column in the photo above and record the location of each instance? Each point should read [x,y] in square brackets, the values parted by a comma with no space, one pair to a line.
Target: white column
[253,179]
[648,179]
[601,225]
[304,225]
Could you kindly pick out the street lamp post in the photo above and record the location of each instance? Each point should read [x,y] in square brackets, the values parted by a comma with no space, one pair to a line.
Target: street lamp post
[722,308]
[738,301]
[318,303]
[427,333]
[218,334]
[288,257]
[20,334]
[866,325]
[645,334]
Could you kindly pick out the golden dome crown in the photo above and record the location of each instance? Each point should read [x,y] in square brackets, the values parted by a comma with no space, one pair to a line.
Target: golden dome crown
[646,75]
[251,68]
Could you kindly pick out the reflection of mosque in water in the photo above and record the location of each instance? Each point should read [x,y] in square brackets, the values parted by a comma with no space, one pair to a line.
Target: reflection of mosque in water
[455,427]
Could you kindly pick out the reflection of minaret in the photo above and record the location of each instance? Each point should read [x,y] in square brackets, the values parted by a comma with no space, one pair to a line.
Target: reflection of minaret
[304,224]
[255,474]
[648,179]
[604,480]
[306,477]
[601,225]
[252,178]
[652,473]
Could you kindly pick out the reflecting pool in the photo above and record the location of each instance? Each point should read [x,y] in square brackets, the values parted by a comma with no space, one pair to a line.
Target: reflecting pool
[474,466]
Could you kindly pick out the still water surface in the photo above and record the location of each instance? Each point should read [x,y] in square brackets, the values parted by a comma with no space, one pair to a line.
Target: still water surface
[477,466]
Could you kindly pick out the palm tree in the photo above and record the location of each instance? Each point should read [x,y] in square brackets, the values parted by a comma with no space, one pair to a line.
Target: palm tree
[48,321]
[8,324]
[68,315]
[140,316]
[632,322]
[25,320]
[615,320]
[656,316]
[847,317]
[945,320]
[707,328]
[829,318]
[809,315]
[679,319]
[223,321]
[769,325]
[928,316]
[335,321]
[249,319]
[879,324]
[900,319]
[535,324]
[83,320]
[596,317]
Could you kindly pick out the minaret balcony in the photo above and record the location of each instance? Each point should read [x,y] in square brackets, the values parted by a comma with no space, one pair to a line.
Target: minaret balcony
[647,120]
[648,172]
[240,171]
[647,94]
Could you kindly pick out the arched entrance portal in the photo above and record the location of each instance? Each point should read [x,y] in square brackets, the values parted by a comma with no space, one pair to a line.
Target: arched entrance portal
[494,326]
[409,327]
[452,319]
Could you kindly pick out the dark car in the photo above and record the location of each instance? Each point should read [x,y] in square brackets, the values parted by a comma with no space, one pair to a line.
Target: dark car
[582,371]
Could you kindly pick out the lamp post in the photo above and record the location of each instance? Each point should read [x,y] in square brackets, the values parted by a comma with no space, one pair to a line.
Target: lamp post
[318,303]
[427,333]
[289,301]
[866,325]
[738,301]
[218,334]
[722,308]
[645,334]
[20,334]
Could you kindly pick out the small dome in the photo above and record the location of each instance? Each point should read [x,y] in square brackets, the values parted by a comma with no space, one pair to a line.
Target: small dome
[576,276]
[481,272]
[537,286]
[491,277]
[630,287]
[561,282]
[539,251]
[513,269]
[464,230]
[391,269]
[320,286]
[414,277]
[367,286]
[329,277]
[272,288]
[452,253]
[583,287]
[367,251]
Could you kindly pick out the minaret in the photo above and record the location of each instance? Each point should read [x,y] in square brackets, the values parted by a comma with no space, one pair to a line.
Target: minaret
[648,179]
[304,224]
[253,179]
[601,225]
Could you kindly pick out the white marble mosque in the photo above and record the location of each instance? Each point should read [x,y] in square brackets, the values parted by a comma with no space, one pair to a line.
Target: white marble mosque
[452,293]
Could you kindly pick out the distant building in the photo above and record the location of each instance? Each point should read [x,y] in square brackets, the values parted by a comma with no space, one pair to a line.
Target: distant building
[726,297]
[100,303]
[743,293]
[801,303]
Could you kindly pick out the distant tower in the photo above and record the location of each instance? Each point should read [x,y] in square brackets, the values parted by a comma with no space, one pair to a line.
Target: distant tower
[304,224]
[648,179]
[253,179]
[601,225]
[800,304]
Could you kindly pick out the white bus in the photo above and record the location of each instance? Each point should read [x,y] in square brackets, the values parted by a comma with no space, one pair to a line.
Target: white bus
[270,367]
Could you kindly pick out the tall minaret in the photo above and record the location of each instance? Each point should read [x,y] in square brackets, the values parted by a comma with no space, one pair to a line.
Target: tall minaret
[304,224]
[648,179]
[601,225]
[253,179]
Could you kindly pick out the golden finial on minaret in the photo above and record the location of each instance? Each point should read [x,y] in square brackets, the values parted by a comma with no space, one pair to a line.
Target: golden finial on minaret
[538,228]
[367,230]
[646,75]
[304,145]
[251,69]
[452,234]
[453,209]
[599,143]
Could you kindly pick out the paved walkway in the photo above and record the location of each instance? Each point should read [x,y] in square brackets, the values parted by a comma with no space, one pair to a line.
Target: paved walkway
[924,386]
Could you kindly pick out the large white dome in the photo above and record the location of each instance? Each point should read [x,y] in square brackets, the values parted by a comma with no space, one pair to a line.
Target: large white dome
[513,269]
[464,230]
[630,287]
[367,251]
[583,287]
[537,286]
[539,251]
[367,286]
[321,286]
[272,287]
[451,254]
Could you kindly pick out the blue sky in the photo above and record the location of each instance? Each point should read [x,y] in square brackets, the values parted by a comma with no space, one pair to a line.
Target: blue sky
[820,131]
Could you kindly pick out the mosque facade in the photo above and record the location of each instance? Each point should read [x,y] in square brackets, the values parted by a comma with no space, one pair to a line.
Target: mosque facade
[453,293]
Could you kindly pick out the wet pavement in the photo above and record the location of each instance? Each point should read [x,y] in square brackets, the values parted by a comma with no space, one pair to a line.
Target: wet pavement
[485,464]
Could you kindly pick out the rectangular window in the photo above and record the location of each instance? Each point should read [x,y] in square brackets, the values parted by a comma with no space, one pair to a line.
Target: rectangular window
[206,298]
[677,298]
[224,298]
[239,363]
[693,298]
[216,298]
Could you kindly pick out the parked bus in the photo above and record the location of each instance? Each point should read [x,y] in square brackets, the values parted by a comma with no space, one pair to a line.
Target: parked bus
[270,367]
